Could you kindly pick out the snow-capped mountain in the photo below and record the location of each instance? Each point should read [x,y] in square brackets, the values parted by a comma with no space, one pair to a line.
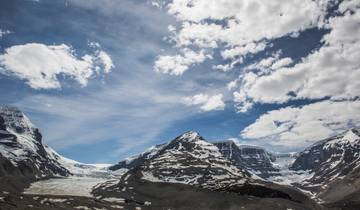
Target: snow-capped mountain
[331,158]
[187,159]
[252,158]
[255,159]
[22,153]
[191,160]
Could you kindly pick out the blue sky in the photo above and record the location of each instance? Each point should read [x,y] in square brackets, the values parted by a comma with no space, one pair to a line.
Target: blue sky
[163,77]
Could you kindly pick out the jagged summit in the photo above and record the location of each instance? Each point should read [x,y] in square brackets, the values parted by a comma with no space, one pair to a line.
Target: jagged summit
[353,133]
[17,122]
[8,108]
[351,136]
[190,136]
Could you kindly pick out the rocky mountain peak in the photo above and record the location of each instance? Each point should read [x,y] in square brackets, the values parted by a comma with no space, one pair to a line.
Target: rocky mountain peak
[22,153]
[330,158]
[350,137]
[16,121]
[190,136]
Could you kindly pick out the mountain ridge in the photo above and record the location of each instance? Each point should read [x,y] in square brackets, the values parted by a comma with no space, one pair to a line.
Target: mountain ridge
[189,163]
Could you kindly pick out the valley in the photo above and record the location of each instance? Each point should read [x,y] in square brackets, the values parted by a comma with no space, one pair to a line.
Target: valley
[219,174]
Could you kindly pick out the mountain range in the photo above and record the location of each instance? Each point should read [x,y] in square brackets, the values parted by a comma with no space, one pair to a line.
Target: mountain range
[187,172]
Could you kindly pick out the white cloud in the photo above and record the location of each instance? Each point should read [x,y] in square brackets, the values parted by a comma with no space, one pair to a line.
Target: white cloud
[331,71]
[178,64]
[232,84]
[241,26]
[281,63]
[267,65]
[41,65]
[299,127]
[228,66]
[206,102]
[243,50]
[106,60]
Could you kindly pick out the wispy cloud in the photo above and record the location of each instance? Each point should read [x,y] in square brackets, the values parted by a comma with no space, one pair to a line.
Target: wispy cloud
[131,115]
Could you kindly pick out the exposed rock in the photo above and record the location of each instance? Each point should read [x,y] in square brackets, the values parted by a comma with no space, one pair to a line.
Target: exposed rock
[255,159]
[22,154]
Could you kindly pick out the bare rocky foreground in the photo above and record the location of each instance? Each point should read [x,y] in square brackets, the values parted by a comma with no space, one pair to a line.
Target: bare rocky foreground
[159,196]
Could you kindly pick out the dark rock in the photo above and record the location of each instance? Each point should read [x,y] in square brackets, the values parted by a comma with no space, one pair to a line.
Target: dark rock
[255,159]
[331,158]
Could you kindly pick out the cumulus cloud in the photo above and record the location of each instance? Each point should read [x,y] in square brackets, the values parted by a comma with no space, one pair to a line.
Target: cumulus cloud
[41,65]
[331,71]
[206,102]
[244,21]
[178,64]
[232,84]
[243,50]
[241,26]
[300,126]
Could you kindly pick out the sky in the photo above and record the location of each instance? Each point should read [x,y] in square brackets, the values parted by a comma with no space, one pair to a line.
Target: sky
[107,79]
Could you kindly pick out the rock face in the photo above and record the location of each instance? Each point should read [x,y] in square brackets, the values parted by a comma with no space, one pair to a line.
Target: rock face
[22,154]
[254,159]
[331,158]
[334,164]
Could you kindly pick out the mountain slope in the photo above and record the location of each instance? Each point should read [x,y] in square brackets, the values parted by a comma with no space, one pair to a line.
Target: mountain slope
[331,158]
[334,165]
[252,158]
[137,160]
[22,154]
